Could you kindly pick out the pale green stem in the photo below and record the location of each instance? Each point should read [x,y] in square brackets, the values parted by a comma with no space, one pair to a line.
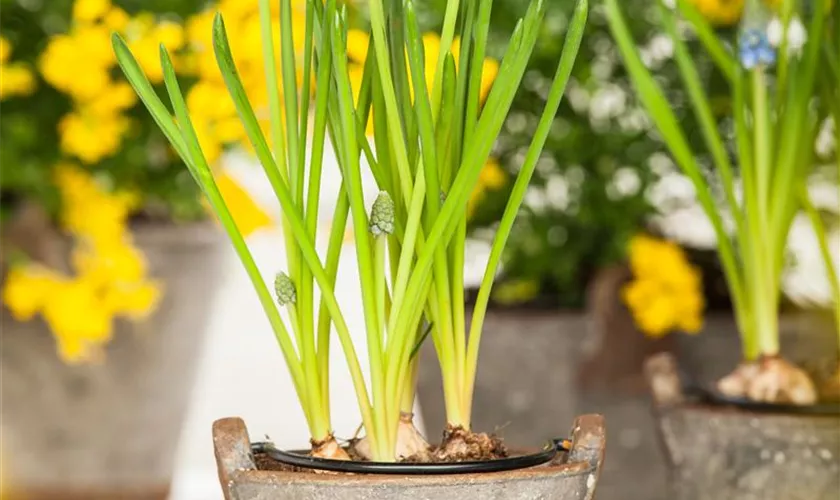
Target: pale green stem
[766,287]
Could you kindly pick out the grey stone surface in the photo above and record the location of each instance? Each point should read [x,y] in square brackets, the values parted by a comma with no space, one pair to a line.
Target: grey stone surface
[573,478]
[112,426]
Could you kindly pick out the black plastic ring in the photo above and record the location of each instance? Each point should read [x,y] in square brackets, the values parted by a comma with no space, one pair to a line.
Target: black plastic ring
[710,396]
[300,458]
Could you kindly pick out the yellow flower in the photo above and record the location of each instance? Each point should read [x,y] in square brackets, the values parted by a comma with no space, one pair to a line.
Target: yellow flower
[666,292]
[116,19]
[91,137]
[89,211]
[145,39]
[16,80]
[90,10]
[210,145]
[27,290]
[249,216]
[77,318]
[492,177]
[657,318]
[135,301]
[5,50]
[78,64]
[720,12]
[357,46]
[210,100]
[115,99]
[107,262]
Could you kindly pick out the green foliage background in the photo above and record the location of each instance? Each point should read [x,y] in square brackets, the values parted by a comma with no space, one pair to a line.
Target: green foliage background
[30,141]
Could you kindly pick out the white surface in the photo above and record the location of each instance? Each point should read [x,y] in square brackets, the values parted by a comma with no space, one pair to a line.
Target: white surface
[242,372]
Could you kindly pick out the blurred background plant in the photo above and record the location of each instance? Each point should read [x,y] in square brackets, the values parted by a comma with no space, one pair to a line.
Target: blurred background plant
[603,175]
[80,151]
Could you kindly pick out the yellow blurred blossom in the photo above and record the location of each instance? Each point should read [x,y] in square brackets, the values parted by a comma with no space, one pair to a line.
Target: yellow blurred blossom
[118,98]
[666,291]
[90,10]
[492,178]
[27,289]
[5,50]
[357,47]
[116,19]
[76,317]
[16,79]
[145,36]
[211,108]
[91,137]
[729,12]
[110,274]
[249,216]
[135,301]
[720,12]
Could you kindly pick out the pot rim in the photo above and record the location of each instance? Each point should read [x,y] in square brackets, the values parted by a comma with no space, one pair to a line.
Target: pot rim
[236,463]
[670,392]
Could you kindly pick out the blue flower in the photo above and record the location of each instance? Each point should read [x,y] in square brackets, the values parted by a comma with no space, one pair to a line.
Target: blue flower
[754,49]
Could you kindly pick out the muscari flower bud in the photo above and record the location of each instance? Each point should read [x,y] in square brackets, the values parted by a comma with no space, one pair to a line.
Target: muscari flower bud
[382,215]
[754,49]
[285,289]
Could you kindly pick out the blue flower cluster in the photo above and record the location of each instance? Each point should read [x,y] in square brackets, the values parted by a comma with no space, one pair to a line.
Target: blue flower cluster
[754,49]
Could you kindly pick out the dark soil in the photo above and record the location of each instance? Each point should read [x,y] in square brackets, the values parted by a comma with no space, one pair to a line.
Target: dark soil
[265,462]
[458,445]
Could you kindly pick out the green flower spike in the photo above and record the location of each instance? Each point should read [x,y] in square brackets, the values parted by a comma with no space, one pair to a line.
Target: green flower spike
[382,215]
[285,289]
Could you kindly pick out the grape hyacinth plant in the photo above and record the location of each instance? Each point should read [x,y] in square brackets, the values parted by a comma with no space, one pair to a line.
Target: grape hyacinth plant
[429,145]
[772,76]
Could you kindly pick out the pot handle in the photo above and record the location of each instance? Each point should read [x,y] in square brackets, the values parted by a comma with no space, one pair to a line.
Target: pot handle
[589,439]
[664,380]
[233,449]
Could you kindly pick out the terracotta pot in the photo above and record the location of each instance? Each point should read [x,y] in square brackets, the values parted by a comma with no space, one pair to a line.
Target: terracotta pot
[721,452]
[110,430]
[573,476]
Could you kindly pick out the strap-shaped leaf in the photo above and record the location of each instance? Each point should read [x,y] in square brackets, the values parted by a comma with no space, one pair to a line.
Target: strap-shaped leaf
[668,125]
[141,85]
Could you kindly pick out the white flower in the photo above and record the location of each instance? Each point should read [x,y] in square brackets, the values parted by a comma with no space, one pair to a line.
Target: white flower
[625,182]
[671,4]
[578,97]
[661,164]
[557,192]
[672,189]
[689,226]
[775,31]
[824,144]
[476,255]
[805,280]
[824,195]
[796,35]
[608,102]
[535,199]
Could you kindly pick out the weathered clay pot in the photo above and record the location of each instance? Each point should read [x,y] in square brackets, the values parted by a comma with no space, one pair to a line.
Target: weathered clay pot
[572,476]
[726,452]
[110,430]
